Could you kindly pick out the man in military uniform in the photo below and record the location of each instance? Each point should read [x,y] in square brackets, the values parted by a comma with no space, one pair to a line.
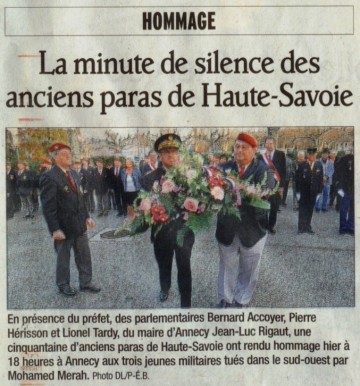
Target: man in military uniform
[346,191]
[67,218]
[167,146]
[309,184]
[241,242]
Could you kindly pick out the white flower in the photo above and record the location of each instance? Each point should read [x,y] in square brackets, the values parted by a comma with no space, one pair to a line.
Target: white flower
[191,174]
[217,193]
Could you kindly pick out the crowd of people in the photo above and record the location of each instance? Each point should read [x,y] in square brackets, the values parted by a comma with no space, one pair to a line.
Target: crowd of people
[69,189]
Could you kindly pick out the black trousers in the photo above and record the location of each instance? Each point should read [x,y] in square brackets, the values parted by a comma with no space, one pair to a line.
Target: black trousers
[164,247]
[129,198]
[119,201]
[274,207]
[285,192]
[306,209]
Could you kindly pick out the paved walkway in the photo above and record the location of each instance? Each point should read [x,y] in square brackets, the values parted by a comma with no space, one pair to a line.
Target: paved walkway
[296,270]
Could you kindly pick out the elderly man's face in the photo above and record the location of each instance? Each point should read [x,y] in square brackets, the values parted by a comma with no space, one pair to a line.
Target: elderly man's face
[243,152]
[63,158]
[169,158]
[301,158]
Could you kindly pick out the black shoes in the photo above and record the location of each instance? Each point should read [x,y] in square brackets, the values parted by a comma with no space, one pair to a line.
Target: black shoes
[272,231]
[67,290]
[90,287]
[224,304]
[163,296]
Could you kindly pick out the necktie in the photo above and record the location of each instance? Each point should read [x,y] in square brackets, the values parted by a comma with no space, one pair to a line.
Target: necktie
[242,171]
[71,181]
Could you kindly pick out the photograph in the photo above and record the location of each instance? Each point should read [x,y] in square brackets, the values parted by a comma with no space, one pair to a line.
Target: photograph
[180,217]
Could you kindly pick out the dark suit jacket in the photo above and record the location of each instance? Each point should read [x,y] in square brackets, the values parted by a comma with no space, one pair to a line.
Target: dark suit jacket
[11,182]
[89,177]
[101,182]
[309,183]
[25,182]
[252,226]
[346,174]
[279,161]
[115,181]
[63,208]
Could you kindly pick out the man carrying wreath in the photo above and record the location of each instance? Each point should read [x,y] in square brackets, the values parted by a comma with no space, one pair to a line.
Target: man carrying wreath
[241,241]
[165,239]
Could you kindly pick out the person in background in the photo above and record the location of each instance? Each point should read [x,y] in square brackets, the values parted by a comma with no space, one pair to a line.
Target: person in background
[309,179]
[25,188]
[10,190]
[117,186]
[223,159]
[328,171]
[111,192]
[346,192]
[152,164]
[102,185]
[300,159]
[288,177]
[88,172]
[67,219]
[333,182]
[132,182]
[275,159]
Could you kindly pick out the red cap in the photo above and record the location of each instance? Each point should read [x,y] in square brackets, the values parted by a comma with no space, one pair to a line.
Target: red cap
[58,146]
[248,139]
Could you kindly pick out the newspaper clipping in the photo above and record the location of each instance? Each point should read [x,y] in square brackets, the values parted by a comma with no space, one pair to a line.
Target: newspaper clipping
[180,192]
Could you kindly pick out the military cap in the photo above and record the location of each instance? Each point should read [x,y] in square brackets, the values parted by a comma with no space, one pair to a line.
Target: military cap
[58,146]
[311,150]
[167,141]
[325,151]
[245,137]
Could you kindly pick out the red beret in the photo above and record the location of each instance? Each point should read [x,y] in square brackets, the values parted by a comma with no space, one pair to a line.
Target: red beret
[58,146]
[248,139]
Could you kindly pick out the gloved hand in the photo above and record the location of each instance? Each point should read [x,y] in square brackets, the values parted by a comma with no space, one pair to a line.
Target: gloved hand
[341,192]
[298,196]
